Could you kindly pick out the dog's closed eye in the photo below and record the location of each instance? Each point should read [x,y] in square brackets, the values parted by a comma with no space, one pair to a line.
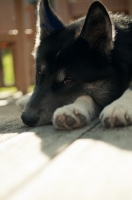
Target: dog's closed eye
[68,80]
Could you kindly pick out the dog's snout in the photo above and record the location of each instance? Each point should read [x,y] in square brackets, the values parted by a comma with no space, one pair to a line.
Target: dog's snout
[29,119]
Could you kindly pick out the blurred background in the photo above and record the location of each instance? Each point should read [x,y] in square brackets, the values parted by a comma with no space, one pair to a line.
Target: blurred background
[17,36]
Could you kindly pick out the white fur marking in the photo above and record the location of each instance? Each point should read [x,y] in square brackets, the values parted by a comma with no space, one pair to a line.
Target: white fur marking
[118,113]
[61,75]
[75,115]
[43,67]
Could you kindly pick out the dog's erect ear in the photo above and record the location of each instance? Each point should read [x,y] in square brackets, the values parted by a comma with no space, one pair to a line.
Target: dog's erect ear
[97,29]
[48,20]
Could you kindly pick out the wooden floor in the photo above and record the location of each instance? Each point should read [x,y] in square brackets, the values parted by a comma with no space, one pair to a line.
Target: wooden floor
[91,163]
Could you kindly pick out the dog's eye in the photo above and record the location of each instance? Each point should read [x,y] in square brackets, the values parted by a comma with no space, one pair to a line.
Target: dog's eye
[68,80]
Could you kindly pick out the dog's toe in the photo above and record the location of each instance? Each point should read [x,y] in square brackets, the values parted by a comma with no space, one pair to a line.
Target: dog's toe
[82,118]
[59,122]
[106,121]
[118,122]
[128,119]
[70,121]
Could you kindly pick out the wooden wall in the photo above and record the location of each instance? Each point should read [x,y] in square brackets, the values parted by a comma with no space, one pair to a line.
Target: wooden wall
[17,20]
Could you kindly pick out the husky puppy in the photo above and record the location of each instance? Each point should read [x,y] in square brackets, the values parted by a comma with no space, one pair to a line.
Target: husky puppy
[82,69]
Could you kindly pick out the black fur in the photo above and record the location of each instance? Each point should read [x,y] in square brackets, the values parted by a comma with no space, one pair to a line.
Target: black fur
[91,56]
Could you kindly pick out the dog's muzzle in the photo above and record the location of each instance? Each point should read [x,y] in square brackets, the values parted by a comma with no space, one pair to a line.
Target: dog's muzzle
[30,119]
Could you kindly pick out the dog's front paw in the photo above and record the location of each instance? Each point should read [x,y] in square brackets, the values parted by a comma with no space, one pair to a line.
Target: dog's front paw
[70,117]
[116,114]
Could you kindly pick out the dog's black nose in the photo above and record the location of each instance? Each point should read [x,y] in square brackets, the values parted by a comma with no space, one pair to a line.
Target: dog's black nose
[29,119]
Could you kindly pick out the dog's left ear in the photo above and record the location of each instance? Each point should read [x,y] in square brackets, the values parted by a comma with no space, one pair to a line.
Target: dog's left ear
[48,20]
[97,29]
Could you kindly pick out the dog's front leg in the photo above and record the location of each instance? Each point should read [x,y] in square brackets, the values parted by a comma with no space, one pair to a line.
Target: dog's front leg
[77,114]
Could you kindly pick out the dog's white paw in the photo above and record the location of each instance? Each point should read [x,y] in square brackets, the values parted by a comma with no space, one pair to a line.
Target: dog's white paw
[119,113]
[70,117]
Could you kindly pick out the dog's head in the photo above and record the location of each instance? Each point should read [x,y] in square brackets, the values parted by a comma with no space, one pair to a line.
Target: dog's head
[71,61]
